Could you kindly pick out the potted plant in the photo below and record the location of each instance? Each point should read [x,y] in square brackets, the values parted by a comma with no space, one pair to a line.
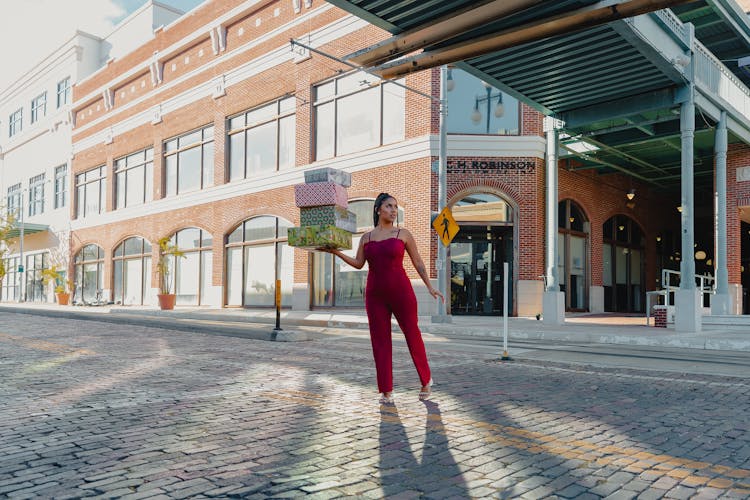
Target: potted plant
[168,252]
[56,276]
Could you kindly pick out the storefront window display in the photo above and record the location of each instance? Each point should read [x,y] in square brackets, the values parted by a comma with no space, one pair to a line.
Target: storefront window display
[256,256]
[89,274]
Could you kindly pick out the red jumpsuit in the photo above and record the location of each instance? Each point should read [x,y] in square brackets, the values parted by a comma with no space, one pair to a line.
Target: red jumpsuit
[389,291]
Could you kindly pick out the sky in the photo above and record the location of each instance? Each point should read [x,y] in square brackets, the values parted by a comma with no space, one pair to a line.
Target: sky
[31,29]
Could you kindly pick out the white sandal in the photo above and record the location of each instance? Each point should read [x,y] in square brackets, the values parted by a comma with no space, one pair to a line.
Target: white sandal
[386,400]
[424,394]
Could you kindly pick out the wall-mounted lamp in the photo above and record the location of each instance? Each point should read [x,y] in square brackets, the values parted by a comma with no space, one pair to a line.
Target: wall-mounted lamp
[658,238]
[700,255]
[572,219]
[630,194]
[709,262]
[621,227]
[679,208]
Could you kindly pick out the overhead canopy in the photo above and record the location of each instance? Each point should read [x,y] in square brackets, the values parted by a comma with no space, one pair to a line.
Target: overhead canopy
[27,230]
[614,82]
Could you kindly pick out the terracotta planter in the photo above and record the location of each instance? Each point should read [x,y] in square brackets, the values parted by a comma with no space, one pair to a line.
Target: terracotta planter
[167,300]
[63,298]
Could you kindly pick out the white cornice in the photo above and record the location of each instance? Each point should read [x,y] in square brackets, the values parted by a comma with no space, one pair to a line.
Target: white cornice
[355,162]
[186,42]
[492,146]
[198,91]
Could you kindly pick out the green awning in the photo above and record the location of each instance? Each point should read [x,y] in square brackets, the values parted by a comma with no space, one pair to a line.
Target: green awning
[27,230]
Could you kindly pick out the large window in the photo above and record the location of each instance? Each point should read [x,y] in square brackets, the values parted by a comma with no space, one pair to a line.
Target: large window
[89,274]
[36,195]
[34,284]
[572,255]
[61,186]
[257,255]
[475,107]
[63,92]
[132,272]
[38,107]
[262,140]
[189,161]
[334,283]
[15,122]
[10,286]
[192,276]
[354,112]
[91,192]
[14,200]
[134,179]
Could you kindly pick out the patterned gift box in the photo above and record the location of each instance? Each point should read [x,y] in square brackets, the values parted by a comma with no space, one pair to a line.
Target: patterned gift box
[320,193]
[328,174]
[329,215]
[311,237]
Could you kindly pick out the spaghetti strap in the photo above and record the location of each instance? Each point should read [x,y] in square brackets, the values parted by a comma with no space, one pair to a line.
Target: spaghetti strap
[399,232]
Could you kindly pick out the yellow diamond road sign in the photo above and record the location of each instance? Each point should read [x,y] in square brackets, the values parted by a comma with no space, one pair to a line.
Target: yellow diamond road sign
[446,226]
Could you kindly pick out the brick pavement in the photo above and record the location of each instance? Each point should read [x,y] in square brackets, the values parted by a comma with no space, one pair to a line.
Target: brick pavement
[94,409]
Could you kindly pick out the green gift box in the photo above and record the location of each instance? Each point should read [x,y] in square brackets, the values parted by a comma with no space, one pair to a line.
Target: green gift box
[311,237]
[329,215]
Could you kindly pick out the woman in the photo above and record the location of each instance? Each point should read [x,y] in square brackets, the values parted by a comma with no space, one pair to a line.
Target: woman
[389,291]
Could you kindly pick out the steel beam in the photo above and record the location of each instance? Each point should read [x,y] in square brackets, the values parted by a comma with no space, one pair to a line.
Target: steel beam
[441,29]
[600,13]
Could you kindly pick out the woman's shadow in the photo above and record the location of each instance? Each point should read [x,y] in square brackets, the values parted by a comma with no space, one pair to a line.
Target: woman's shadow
[400,471]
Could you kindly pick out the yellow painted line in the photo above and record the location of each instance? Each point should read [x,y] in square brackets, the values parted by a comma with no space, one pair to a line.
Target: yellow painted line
[685,470]
[43,345]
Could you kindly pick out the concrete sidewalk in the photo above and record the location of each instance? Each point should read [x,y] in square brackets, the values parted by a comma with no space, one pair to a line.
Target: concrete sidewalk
[258,323]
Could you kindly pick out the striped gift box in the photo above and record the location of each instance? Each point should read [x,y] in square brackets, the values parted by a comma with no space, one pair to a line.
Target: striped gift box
[320,193]
[329,215]
[312,237]
[328,174]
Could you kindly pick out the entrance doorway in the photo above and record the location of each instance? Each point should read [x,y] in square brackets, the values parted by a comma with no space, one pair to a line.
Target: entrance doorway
[477,253]
[623,266]
[477,256]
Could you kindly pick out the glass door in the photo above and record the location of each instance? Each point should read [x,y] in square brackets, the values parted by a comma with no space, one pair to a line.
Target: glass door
[477,256]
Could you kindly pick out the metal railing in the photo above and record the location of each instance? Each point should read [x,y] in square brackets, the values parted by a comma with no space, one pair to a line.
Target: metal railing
[670,281]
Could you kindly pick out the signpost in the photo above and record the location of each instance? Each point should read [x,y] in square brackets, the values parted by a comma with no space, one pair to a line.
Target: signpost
[446,226]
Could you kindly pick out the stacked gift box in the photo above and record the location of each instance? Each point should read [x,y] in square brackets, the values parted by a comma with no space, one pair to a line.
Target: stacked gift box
[323,202]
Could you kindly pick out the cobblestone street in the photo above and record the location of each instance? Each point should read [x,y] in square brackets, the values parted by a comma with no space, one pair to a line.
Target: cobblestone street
[95,409]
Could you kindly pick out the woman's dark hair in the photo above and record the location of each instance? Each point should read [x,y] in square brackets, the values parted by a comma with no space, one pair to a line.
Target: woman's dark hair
[378,202]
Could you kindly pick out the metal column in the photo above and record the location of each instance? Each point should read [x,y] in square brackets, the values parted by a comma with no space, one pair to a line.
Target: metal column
[553,301]
[720,304]
[687,298]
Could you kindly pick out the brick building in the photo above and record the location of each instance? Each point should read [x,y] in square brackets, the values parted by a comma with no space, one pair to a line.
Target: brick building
[201,132]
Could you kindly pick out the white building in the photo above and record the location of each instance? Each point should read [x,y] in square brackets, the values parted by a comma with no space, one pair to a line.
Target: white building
[35,147]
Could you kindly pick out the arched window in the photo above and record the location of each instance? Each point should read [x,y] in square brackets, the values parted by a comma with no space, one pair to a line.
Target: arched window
[623,265]
[257,255]
[89,273]
[572,248]
[132,271]
[192,276]
[334,283]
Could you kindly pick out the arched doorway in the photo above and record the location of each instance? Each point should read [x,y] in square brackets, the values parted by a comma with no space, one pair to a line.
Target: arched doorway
[477,253]
[192,276]
[257,255]
[573,251]
[131,261]
[89,274]
[623,265]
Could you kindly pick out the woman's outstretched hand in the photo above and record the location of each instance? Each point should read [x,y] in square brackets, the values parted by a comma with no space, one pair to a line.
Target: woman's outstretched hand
[435,294]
